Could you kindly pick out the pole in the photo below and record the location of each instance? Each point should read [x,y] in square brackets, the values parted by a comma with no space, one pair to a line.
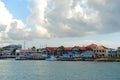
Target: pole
[24,43]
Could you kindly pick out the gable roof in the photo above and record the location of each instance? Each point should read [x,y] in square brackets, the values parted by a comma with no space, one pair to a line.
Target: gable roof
[92,45]
[101,47]
[51,48]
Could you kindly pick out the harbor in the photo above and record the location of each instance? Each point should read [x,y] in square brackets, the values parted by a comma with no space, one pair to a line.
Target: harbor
[90,52]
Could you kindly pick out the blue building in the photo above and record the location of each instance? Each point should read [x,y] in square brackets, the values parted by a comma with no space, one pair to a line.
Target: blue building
[10,49]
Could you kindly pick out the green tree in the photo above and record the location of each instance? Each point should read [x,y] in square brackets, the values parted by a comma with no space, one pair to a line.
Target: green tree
[33,48]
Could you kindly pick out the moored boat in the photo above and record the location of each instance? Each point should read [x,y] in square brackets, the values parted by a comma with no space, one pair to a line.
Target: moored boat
[51,58]
[28,55]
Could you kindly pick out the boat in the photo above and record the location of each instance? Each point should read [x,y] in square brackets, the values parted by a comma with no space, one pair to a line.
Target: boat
[7,57]
[20,58]
[28,55]
[51,58]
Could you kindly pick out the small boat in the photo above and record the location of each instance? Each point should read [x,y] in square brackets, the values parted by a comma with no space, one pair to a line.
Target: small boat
[20,58]
[51,58]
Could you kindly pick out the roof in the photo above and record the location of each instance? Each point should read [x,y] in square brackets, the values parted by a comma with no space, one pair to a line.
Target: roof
[51,48]
[68,48]
[34,51]
[83,48]
[78,47]
[101,47]
[92,45]
[88,48]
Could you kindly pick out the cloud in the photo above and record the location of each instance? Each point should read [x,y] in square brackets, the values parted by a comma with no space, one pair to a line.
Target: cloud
[108,14]
[2,27]
[5,16]
[55,18]
[67,18]
[10,28]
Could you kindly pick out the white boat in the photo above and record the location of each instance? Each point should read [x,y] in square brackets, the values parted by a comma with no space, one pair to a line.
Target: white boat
[52,58]
[28,55]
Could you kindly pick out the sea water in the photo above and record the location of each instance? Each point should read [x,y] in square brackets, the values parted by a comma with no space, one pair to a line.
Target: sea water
[58,70]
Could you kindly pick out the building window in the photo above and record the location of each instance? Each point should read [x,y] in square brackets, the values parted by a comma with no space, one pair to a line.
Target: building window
[103,55]
[103,51]
[94,50]
[97,51]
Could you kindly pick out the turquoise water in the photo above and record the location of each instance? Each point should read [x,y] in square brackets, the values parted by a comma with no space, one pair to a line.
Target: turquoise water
[58,70]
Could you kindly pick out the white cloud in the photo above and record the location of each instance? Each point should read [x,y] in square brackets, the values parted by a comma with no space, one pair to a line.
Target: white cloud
[65,19]
[5,16]
[10,28]
[68,19]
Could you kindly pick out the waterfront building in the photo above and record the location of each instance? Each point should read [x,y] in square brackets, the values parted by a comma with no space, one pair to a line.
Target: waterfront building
[48,51]
[101,51]
[10,49]
[118,52]
[68,52]
[111,53]
[77,51]
[87,53]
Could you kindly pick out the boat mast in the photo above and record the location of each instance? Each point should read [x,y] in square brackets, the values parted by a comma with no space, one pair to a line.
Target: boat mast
[24,42]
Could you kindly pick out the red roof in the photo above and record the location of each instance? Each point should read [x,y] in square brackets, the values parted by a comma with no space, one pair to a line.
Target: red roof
[68,48]
[81,48]
[51,48]
[88,48]
[92,45]
[78,47]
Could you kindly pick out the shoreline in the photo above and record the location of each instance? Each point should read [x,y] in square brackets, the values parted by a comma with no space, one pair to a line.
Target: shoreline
[82,60]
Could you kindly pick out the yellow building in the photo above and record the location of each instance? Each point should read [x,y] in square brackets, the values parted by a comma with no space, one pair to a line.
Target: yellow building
[101,51]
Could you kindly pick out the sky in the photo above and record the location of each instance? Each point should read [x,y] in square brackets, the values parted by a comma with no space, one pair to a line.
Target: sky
[44,23]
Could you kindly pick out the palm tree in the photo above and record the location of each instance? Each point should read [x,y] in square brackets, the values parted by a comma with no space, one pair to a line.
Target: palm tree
[1,49]
[33,48]
[13,51]
[61,50]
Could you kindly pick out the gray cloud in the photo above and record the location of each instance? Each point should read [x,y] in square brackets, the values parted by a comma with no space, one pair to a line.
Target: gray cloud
[15,33]
[108,14]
